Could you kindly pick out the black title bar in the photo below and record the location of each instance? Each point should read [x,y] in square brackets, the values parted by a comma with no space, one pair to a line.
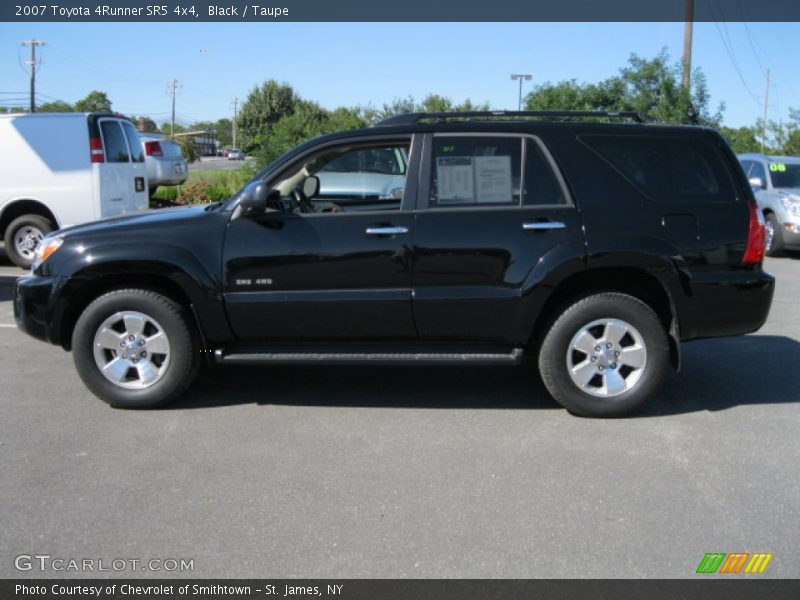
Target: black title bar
[156,11]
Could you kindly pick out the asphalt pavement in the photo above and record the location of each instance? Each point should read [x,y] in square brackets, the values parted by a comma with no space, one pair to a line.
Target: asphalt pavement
[428,472]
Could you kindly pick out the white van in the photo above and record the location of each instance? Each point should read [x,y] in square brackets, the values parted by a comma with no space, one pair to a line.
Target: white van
[61,169]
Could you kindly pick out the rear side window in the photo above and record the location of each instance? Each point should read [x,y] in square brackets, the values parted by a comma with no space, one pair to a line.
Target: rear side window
[667,169]
[134,143]
[114,142]
[476,171]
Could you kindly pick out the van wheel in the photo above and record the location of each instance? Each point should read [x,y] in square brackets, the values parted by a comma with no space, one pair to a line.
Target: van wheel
[773,245]
[135,349]
[21,237]
[604,356]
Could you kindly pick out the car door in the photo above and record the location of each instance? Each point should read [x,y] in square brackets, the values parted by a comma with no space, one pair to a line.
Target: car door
[342,272]
[121,175]
[492,207]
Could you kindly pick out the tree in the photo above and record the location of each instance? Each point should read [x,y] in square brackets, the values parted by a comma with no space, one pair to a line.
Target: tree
[143,123]
[741,139]
[95,101]
[648,86]
[55,106]
[263,108]
[307,121]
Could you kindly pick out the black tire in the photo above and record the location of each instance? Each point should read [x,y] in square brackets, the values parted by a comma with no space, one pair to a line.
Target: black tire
[31,226]
[557,350]
[774,247]
[184,350]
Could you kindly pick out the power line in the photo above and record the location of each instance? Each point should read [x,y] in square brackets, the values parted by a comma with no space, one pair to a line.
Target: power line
[731,54]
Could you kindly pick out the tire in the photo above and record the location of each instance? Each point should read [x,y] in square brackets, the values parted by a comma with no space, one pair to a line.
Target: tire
[21,237]
[774,240]
[604,383]
[150,370]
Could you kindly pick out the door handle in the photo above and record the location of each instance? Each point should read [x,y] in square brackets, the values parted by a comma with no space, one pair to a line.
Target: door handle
[543,225]
[387,230]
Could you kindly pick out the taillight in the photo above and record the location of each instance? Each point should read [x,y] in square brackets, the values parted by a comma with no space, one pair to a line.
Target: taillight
[153,149]
[754,249]
[96,150]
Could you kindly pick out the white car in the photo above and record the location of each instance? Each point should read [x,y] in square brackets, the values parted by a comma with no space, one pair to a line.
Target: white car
[164,160]
[235,154]
[61,169]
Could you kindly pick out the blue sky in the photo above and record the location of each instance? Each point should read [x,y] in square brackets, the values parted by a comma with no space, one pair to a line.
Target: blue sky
[347,64]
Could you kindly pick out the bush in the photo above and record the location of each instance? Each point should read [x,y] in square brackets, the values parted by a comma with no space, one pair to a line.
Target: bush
[204,186]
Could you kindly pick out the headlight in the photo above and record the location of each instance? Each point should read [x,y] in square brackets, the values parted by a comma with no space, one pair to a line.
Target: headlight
[791,204]
[43,251]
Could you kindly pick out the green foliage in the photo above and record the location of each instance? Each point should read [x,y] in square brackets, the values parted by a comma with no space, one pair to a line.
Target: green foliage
[204,186]
[149,125]
[431,103]
[95,101]
[55,106]
[166,127]
[188,148]
[741,139]
[649,86]
[263,108]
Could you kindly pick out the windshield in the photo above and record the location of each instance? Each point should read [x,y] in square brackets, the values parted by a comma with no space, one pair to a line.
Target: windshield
[785,175]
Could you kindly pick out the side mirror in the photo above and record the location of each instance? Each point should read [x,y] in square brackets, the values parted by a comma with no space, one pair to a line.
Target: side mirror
[254,198]
[757,183]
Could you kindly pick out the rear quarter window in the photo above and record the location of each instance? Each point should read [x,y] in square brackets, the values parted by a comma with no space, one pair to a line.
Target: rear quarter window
[667,168]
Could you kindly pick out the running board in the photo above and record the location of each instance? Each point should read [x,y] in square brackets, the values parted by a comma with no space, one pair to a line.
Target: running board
[254,357]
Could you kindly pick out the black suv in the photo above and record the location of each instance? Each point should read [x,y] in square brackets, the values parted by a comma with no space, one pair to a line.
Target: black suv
[470,238]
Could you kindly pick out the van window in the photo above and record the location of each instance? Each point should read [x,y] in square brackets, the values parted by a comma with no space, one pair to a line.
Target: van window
[134,143]
[666,168]
[114,142]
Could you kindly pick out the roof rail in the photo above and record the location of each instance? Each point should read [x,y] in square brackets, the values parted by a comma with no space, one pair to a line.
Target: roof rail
[563,115]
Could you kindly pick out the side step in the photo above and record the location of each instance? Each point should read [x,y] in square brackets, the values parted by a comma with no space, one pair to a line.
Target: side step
[253,356]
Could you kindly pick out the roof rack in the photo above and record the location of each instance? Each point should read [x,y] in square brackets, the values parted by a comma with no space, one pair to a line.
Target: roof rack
[563,115]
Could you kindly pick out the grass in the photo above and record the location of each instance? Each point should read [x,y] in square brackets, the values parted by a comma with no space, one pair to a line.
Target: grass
[203,186]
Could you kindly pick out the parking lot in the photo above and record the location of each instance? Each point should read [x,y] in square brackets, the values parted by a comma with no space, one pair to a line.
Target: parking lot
[408,472]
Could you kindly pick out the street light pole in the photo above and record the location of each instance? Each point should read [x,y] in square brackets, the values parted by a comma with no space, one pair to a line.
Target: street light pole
[521,77]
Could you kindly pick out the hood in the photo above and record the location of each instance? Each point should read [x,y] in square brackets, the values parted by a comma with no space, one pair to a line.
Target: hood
[147,220]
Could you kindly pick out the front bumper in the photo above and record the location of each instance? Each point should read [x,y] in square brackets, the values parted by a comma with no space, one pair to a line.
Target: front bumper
[37,309]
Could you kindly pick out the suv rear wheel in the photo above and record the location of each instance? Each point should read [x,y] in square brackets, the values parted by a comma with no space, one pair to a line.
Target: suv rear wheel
[604,356]
[135,349]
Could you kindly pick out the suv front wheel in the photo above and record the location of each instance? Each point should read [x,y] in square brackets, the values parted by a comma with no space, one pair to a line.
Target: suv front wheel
[135,348]
[604,356]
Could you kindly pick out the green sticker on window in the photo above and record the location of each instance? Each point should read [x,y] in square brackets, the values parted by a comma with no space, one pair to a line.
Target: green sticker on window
[447,149]
[777,167]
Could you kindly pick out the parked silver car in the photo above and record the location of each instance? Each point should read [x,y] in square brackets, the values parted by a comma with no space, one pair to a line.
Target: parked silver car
[776,183]
[236,154]
[164,161]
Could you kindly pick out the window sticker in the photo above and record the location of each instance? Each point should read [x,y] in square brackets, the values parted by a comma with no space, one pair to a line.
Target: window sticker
[493,178]
[455,180]
[779,167]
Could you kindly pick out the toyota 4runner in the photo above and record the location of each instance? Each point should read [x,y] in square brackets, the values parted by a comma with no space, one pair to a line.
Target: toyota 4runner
[470,238]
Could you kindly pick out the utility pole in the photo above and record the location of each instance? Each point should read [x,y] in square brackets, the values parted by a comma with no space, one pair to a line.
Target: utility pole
[686,79]
[521,77]
[235,114]
[764,127]
[33,62]
[172,90]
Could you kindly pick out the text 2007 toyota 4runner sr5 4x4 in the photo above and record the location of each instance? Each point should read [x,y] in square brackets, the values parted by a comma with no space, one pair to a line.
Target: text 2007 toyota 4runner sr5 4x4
[447,238]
